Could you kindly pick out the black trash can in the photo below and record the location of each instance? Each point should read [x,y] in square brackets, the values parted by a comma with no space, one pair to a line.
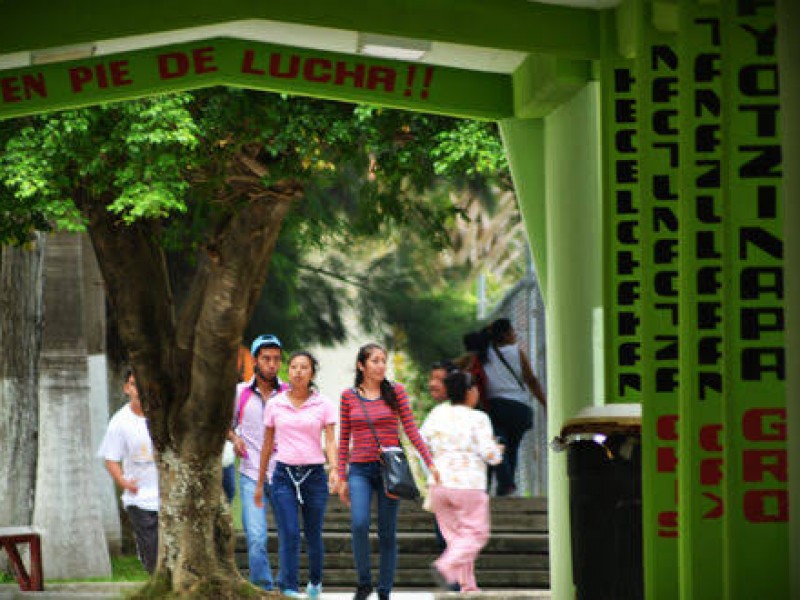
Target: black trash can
[604,465]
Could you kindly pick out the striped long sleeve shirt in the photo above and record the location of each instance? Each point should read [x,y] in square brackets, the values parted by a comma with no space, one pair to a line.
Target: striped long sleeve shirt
[353,427]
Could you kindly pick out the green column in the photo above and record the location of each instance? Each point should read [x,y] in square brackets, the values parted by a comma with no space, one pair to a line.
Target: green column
[789,58]
[756,556]
[658,87]
[702,292]
[567,200]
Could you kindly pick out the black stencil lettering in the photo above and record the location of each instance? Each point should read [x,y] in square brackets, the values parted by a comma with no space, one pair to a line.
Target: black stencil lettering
[661,188]
[708,350]
[707,101]
[629,381]
[668,349]
[627,323]
[765,39]
[766,118]
[708,280]
[626,263]
[748,8]
[705,209]
[629,354]
[762,239]
[625,203]
[766,163]
[666,283]
[663,122]
[664,219]
[759,80]
[756,281]
[625,111]
[623,141]
[664,88]
[756,362]
[708,381]
[671,308]
[672,149]
[665,251]
[627,293]
[623,81]
[714,29]
[712,177]
[666,379]
[663,55]
[708,315]
[756,320]
[706,245]
[706,138]
[706,67]
[626,232]
[767,202]
[627,171]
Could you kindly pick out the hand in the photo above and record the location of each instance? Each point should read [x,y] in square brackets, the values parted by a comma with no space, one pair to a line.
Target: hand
[435,473]
[333,480]
[258,497]
[502,448]
[239,447]
[344,493]
[132,485]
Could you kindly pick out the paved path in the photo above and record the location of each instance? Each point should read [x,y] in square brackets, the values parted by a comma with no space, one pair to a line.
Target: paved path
[114,591]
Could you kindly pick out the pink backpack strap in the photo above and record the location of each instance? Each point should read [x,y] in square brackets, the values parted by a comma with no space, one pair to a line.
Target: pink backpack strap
[243,398]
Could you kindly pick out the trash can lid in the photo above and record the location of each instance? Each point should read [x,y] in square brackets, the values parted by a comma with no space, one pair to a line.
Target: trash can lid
[607,419]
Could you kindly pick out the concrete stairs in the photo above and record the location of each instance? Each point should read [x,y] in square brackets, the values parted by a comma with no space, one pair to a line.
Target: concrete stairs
[515,558]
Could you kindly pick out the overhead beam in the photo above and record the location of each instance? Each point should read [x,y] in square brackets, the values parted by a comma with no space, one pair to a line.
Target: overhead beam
[502,24]
[255,65]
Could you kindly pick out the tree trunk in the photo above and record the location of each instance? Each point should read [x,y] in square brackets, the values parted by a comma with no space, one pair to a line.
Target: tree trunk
[20,342]
[185,363]
[74,544]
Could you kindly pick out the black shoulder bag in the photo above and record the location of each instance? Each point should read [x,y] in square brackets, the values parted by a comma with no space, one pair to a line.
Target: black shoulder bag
[398,482]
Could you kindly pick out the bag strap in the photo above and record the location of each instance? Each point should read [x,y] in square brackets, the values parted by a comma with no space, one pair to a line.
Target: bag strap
[369,421]
[243,398]
[508,366]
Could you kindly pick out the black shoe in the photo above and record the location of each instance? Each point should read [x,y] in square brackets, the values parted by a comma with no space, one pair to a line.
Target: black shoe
[362,592]
[382,596]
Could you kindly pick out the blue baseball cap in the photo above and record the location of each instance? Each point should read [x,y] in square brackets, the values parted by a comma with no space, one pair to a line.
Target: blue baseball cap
[269,340]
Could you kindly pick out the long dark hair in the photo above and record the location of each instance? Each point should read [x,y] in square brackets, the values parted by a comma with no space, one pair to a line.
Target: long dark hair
[387,389]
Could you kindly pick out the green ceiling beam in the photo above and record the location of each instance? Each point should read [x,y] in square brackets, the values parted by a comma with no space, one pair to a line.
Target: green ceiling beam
[254,65]
[501,24]
[544,82]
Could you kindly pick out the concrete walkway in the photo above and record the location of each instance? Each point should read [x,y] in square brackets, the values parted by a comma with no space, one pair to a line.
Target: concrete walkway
[115,591]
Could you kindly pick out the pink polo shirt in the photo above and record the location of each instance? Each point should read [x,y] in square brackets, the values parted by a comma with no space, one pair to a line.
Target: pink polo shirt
[298,431]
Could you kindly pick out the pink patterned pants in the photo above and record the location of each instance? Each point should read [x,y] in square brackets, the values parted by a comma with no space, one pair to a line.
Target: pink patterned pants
[464,519]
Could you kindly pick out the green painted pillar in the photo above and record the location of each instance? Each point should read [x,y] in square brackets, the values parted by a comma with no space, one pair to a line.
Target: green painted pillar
[555,164]
[789,61]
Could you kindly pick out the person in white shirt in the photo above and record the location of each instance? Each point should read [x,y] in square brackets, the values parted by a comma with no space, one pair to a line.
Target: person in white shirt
[462,444]
[509,383]
[128,453]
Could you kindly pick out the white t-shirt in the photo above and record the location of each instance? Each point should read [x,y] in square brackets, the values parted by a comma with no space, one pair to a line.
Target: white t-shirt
[127,440]
[500,383]
[461,442]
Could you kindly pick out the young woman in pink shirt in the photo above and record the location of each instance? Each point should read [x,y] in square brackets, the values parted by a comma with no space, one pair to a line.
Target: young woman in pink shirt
[295,420]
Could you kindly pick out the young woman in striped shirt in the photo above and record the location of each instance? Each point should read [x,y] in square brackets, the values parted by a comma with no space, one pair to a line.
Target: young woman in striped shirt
[384,402]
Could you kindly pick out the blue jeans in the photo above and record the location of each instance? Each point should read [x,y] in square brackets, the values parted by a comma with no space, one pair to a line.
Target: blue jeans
[290,485]
[364,479]
[254,521]
[229,481]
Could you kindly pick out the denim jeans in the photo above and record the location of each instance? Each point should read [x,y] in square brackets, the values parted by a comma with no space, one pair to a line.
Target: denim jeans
[254,521]
[510,421]
[229,481]
[298,490]
[145,529]
[364,479]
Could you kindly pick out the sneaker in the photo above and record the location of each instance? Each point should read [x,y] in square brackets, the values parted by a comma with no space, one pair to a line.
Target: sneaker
[362,592]
[292,594]
[382,596]
[313,590]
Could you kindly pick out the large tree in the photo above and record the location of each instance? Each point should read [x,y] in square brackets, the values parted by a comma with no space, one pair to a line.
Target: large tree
[204,182]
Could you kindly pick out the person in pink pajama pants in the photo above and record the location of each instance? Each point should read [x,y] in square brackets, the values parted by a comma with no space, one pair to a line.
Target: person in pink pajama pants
[462,444]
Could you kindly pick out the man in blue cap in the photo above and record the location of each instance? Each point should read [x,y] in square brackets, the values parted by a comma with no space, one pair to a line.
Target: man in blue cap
[247,436]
